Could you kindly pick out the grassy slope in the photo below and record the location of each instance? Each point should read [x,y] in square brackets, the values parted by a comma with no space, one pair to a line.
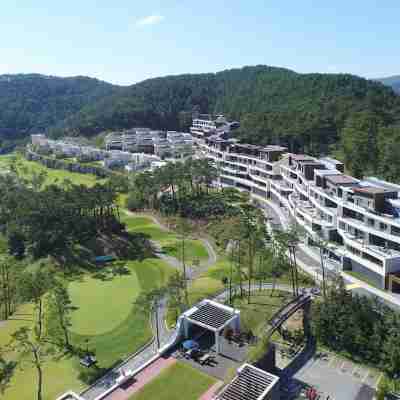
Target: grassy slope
[97,314]
[170,243]
[53,175]
[176,381]
[131,333]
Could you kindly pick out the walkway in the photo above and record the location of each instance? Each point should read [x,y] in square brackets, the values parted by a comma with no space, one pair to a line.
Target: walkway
[125,391]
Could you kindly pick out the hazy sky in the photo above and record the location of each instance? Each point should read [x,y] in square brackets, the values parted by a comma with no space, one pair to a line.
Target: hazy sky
[125,41]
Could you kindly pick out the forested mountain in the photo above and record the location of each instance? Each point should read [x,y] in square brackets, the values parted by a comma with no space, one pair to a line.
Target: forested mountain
[313,113]
[32,103]
[393,81]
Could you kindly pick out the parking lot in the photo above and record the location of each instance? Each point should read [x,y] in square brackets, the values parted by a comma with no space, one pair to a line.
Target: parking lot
[337,378]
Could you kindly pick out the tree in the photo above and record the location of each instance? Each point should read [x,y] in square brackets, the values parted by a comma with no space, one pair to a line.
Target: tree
[33,287]
[184,229]
[60,307]
[149,302]
[35,350]
[359,141]
[9,273]
[176,293]
[6,372]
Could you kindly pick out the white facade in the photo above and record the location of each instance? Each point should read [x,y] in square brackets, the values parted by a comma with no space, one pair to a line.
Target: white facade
[359,220]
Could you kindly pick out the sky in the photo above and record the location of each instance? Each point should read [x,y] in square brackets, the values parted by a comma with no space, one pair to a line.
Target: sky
[124,41]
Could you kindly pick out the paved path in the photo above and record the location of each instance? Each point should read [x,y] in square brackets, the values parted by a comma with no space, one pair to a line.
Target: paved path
[125,391]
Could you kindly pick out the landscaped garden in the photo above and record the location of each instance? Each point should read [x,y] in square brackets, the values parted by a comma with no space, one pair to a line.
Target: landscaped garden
[105,320]
[176,381]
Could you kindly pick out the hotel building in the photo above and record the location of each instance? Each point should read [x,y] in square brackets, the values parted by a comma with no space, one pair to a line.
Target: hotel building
[358,220]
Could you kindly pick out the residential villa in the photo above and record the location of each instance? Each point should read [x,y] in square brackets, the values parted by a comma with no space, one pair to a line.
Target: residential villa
[205,125]
[358,220]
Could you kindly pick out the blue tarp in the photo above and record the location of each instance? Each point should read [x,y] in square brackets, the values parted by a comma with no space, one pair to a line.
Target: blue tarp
[104,259]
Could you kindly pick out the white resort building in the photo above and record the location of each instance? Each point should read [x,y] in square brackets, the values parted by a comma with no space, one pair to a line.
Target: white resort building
[358,220]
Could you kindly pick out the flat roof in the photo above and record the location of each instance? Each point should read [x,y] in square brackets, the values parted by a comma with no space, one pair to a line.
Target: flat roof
[326,172]
[261,148]
[310,162]
[211,314]
[332,160]
[251,383]
[301,157]
[369,189]
[342,179]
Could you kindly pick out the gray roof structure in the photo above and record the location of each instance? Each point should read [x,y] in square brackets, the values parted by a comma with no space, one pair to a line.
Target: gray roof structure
[212,316]
[251,383]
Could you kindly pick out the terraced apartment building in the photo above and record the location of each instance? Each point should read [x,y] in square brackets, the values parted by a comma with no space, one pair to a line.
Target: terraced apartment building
[358,220]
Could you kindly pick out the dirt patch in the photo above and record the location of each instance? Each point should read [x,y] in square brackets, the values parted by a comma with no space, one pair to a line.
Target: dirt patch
[295,322]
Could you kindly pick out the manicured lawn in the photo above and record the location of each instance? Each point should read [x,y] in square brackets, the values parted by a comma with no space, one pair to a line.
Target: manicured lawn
[130,328]
[97,313]
[133,329]
[53,175]
[194,249]
[176,382]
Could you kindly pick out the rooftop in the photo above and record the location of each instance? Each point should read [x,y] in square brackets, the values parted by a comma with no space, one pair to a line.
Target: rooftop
[211,314]
[251,383]
[369,189]
[341,179]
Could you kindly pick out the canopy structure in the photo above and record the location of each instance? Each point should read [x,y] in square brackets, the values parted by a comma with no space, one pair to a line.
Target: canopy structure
[251,383]
[212,316]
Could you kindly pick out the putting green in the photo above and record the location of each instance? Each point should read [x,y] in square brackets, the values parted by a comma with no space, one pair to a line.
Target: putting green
[102,304]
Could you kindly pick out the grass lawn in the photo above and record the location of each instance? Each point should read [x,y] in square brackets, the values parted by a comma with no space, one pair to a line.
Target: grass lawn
[128,330]
[53,175]
[194,249]
[176,382]
[97,314]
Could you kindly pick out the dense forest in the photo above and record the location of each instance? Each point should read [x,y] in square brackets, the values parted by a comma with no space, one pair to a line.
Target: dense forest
[32,103]
[356,119]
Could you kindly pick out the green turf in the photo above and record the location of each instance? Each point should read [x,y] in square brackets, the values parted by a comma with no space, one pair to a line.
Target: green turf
[53,175]
[131,331]
[97,313]
[170,242]
[176,382]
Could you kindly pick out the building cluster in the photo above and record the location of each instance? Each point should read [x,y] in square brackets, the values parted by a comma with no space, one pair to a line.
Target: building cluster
[163,144]
[206,124]
[357,221]
[110,158]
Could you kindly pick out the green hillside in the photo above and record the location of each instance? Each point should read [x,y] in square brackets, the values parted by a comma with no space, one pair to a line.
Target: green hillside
[31,103]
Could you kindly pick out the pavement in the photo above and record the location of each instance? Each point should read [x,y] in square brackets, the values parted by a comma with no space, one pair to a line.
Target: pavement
[128,389]
[338,378]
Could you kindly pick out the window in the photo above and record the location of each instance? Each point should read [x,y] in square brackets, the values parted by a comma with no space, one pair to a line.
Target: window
[371,222]
[383,226]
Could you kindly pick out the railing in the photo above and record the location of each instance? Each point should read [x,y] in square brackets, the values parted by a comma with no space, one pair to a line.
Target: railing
[286,312]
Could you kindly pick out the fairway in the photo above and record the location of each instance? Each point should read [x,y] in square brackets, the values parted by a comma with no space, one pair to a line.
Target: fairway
[121,329]
[169,241]
[102,304]
[176,382]
[53,175]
